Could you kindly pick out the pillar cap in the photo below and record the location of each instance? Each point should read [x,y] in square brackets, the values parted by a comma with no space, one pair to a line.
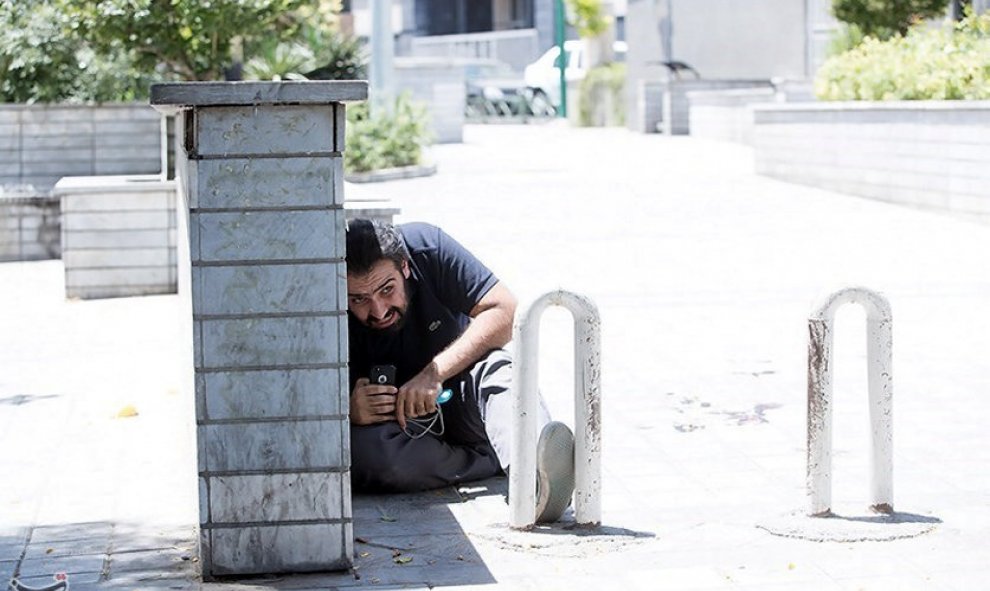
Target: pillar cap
[170,96]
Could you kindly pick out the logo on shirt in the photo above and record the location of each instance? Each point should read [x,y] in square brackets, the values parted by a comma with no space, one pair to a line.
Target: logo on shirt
[435,325]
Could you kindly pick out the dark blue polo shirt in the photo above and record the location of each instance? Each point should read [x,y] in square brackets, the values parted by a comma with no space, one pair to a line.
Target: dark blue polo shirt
[445,284]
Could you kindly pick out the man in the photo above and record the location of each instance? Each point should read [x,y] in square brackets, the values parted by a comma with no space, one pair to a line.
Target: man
[420,302]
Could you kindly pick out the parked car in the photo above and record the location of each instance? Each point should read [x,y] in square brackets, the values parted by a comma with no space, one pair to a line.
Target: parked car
[543,76]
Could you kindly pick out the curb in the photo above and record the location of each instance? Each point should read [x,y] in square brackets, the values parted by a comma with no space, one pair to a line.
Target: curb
[392,174]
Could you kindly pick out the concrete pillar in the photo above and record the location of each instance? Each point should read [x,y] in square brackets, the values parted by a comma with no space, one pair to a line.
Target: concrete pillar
[260,171]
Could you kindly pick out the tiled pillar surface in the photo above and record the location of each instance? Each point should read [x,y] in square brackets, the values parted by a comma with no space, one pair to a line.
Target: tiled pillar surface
[261,172]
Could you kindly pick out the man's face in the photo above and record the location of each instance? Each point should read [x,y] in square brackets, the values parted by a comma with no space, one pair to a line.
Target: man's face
[378,298]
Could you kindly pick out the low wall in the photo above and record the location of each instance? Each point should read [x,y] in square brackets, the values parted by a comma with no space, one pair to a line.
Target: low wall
[40,144]
[29,227]
[663,105]
[648,102]
[439,85]
[933,154]
[118,236]
[726,114]
[677,109]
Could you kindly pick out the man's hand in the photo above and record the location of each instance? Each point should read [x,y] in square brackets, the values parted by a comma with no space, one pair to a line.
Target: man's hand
[372,403]
[418,396]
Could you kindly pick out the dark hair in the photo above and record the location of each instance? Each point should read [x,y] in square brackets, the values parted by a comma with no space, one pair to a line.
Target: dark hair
[369,241]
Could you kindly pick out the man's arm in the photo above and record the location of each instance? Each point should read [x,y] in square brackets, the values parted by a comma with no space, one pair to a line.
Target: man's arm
[490,328]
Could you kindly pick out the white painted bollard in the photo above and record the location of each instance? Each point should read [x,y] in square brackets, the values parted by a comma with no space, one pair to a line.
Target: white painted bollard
[879,367]
[587,410]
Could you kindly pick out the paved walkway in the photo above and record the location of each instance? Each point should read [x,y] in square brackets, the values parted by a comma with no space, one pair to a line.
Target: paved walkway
[704,274]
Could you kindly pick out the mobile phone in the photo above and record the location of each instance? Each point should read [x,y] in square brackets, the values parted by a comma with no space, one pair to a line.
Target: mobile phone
[383,375]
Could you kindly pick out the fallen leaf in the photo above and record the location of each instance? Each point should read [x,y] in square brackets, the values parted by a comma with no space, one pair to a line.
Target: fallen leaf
[402,559]
[49,551]
[364,554]
[127,412]
[396,552]
[388,519]
[361,540]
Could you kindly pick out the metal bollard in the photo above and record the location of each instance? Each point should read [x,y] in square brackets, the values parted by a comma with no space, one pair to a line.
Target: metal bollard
[879,366]
[587,410]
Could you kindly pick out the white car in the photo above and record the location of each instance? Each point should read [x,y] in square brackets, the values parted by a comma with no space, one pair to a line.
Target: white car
[543,76]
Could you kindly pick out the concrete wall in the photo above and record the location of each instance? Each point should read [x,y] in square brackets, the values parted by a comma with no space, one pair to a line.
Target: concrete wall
[929,154]
[729,39]
[29,227]
[118,236]
[439,85]
[40,144]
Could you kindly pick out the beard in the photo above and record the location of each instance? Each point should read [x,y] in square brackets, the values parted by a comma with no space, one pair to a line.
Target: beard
[395,326]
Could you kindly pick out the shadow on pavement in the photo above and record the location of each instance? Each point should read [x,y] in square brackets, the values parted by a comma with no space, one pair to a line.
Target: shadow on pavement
[416,538]
[895,517]
[21,399]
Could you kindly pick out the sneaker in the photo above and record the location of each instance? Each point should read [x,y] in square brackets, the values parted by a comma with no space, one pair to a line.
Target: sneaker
[554,472]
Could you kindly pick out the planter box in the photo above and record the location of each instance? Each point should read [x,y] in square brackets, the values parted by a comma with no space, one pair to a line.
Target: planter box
[932,154]
[118,235]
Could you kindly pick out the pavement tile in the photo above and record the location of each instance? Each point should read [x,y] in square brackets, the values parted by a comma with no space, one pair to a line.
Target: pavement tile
[7,570]
[66,548]
[86,567]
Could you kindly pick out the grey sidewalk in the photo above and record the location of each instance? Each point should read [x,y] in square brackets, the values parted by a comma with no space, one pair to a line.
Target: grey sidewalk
[704,274]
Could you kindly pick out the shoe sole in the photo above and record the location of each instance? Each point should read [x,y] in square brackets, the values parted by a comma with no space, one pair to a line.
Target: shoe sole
[555,471]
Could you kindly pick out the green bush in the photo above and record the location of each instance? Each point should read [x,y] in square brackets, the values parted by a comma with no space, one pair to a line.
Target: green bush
[319,55]
[111,50]
[602,97]
[336,56]
[279,61]
[947,63]
[845,38]
[391,138]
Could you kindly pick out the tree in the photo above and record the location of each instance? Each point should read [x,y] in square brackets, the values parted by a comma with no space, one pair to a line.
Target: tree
[883,19]
[189,39]
[111,50]
[37,59]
